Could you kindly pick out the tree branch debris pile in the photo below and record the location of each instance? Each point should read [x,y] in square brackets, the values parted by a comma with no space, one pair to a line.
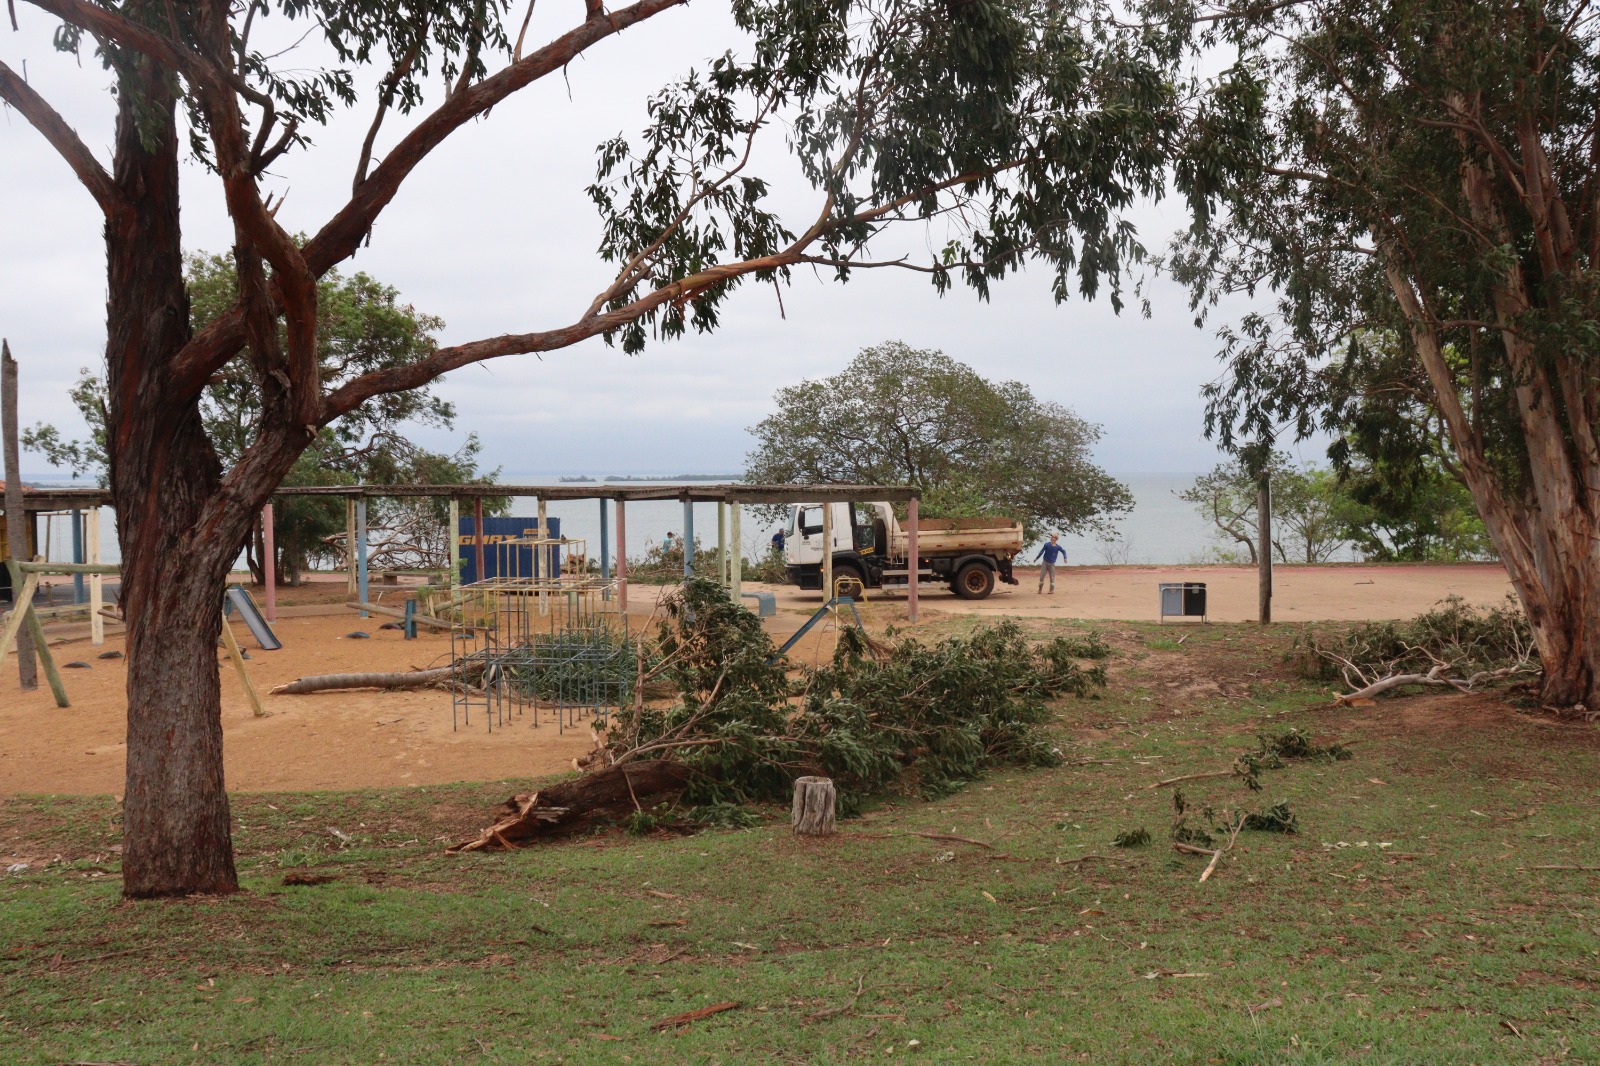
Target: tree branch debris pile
[907,716]
[1456,645]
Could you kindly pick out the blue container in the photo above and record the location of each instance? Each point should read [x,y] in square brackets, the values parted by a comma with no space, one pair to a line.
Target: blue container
[495,532]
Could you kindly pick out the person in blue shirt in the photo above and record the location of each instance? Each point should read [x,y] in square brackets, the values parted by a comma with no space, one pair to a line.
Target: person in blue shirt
[1051,553]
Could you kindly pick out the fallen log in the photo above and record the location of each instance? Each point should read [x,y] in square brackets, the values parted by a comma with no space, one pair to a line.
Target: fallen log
[578,804]
[397,680]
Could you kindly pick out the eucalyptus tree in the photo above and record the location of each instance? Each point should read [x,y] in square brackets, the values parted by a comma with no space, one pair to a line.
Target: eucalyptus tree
[1422,173]
[1017,131]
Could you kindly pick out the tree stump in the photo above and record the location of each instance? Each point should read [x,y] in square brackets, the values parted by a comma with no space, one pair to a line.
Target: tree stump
[814,801]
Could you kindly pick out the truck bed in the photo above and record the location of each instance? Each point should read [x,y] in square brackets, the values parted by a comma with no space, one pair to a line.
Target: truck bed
[956,536]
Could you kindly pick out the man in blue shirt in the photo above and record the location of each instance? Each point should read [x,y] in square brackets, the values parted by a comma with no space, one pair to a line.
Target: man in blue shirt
[1050,553]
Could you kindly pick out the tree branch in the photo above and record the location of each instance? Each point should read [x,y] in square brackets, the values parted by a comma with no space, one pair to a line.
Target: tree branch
[62,137]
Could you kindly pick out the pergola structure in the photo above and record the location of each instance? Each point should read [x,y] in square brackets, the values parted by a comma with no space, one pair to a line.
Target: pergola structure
[730,498]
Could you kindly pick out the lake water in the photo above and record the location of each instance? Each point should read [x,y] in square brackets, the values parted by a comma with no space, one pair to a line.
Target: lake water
[1161,529]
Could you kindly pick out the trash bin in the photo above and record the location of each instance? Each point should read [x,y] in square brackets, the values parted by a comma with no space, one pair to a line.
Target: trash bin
[1183,600]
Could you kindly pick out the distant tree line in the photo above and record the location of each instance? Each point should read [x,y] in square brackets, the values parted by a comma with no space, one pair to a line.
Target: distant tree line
[1418,514]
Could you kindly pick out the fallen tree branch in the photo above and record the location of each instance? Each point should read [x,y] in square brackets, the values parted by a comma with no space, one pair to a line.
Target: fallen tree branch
[1215,853]
[693,1015]
[396,680]
[578,804]
[1231,772]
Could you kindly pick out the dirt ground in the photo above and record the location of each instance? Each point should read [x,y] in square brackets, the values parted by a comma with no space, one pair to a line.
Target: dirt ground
[359,739]
[1300,593]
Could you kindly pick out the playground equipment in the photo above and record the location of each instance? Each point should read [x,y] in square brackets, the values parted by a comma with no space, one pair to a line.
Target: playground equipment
[551,642]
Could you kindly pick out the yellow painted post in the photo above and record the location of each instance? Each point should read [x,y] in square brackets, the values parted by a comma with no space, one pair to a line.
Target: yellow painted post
[238,664]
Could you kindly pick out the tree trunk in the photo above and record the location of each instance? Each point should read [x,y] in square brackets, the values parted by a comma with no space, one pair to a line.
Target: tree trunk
[163,470]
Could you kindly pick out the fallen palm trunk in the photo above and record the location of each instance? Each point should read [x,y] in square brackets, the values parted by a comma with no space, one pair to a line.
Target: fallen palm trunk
[398,680]
[572,806]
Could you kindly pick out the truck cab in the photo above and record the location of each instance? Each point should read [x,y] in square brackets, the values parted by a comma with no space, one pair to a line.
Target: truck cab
[869,545]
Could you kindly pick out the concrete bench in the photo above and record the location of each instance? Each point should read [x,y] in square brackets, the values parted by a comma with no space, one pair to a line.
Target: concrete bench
[766,603]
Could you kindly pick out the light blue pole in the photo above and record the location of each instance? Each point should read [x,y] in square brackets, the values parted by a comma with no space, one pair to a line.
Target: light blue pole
[605,545]
[77,556]
[688,538]
[361,551]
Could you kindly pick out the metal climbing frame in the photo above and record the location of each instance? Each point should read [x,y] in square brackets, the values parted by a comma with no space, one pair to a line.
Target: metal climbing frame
[544,637]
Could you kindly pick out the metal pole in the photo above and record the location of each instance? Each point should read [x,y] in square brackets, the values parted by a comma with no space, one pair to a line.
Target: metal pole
[622,558]
[913,564]
[688,538]
[269,563]
[19,527]
[361,552]
[1264,550]
[605,544]
[736,560]
[78,595]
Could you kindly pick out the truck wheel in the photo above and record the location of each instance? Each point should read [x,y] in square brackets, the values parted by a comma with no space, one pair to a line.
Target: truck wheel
[847,581]
[973,582]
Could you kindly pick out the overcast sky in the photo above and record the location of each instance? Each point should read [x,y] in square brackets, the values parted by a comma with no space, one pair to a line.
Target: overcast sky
[494,234]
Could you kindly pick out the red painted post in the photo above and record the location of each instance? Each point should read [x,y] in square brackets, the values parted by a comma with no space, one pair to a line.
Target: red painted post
[477,534]
[269,563]
[622,558]
[911,559]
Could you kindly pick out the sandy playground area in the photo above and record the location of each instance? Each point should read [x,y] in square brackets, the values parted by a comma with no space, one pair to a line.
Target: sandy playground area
[359,739]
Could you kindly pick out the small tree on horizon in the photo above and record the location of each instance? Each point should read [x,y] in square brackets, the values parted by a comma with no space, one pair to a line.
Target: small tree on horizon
[898,415]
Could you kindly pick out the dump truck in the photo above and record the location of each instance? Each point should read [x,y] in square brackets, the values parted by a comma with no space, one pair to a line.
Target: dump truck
[871,546]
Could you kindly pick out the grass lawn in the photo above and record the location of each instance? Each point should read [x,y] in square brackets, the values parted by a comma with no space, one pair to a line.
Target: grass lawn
[1405,923]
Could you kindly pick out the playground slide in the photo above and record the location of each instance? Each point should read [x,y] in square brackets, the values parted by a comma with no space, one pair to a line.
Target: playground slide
[240,599]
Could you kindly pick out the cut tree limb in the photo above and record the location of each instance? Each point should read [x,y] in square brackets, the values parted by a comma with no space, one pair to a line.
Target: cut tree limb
[579,803]
[397,680]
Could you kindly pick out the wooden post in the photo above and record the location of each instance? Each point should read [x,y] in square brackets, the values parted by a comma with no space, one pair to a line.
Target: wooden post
[814,803]
[361,551]
[97,599]
[542,557]
[736,560]
[688,537]
[269,563]
[42,645]
[477,537]
[237,656]
[913,564]
[350,589]
[77,555]
[1264,550]
[722,542]
[827,552]
[454,539]
[19,527]
[622,558]
[605,544]
[22,599]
